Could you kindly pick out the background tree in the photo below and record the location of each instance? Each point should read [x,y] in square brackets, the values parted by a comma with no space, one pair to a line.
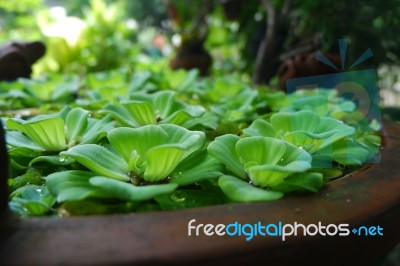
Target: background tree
[366,23]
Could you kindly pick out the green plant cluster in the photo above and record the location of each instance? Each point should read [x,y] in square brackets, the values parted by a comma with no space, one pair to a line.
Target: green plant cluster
[118,142]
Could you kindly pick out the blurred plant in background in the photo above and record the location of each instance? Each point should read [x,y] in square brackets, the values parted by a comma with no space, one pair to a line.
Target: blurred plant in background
[99,41]
[17,20]
[250,37]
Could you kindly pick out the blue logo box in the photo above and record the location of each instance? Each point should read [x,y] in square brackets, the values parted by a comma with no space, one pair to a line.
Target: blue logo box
[360,87]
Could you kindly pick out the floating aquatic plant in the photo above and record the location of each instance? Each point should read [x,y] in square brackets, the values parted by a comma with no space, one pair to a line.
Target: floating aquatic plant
[149,154]
[159,108]
[41,139]
[304,129]
[262,144]
[264,161]
[325,138]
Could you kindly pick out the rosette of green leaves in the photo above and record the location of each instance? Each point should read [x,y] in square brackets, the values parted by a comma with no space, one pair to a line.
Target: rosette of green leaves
[43,137]
[33,93]
[235,111]
[159,108]
[324,102]
[325,138]
[105,87]
[146,155]
[150,152]
[270,164]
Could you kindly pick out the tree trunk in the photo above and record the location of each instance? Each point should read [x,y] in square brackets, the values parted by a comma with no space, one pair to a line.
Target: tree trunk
[267,61]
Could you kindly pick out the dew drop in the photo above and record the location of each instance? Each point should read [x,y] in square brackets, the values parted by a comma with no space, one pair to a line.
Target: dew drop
[62,159]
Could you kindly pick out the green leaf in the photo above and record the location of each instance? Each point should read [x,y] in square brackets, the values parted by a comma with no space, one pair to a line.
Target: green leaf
[99,160]
[18,139]
[340,130]
[125,191]
[189,140]
[53,160]
[76,123]
[268,160]
[261,128]
[239,190]
[139,140]
[195,168]
[47,133]
[139,80]
[165,103]
[74,185]
[178,118]
[31,200]
[308,181]
[270,175]
[120,114]
[142,112]
[96,129]
[288,122]
[223,148]
[161,161]
[345,151]
[260,150]
[207,120]
[23,152]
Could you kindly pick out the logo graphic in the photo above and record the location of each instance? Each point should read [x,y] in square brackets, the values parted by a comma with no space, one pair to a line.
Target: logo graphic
[280,230]
[357,89]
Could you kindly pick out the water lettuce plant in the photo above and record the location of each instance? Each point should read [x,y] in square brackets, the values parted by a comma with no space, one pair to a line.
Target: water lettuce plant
[34,93]
[43,137]
[158,108]
[264,161]
[150,152]
[325,138]
[161,140]
[57,132]
[139,164]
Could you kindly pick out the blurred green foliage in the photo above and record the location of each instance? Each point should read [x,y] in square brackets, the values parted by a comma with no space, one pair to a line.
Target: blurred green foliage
[367,23]
[20,6]
[108,30]
[17,20]
[97,42]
